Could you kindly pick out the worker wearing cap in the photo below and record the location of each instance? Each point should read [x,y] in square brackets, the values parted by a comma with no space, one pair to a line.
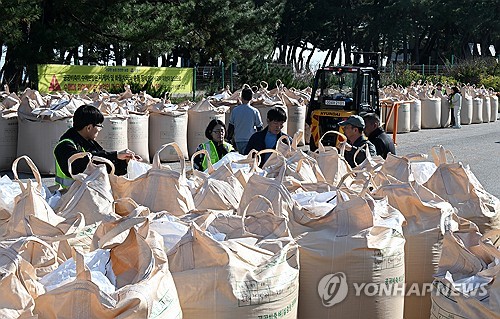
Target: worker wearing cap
[356,141]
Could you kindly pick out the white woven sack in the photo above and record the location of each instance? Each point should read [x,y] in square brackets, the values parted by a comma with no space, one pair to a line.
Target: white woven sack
[234,279]
[455,183]
[220,190]
[466,285]
[113,136]
[427,218]
[360,241]
[167,127]
[160,188]
[331,162]
[272,189]
[138,135]
[8,140]
[199,116]
[90,193]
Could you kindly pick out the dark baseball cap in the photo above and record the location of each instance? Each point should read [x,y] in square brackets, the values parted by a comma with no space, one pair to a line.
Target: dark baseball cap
[354,120]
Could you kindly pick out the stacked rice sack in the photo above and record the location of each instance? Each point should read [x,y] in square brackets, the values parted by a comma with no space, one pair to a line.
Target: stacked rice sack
[429,107]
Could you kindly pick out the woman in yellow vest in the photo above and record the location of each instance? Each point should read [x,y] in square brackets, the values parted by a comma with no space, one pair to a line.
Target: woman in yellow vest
[216,146]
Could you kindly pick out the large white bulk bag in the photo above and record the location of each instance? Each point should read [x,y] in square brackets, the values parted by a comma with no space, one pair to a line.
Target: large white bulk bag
[30,202]
[234,278]
[494,107]
[168,127]
[264,100]
[271,188]
[332,162]
[403,119]
[296,121]
[486,109]
[199,116]
[477,110]
[296,107]
[160,188]
[415,115]
[130,280]
[445,112]
[263,225]
[359,242]
[431,112]
[455,183]
[37,140]
[8,140]
[90,194]
[427,218]
[18,281]
[138,134]
[466,109]
[467,285]
[220,190]
[113,135]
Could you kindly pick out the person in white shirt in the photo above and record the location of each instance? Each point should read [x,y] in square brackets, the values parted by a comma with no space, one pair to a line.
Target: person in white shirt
[244,121]
[455,106]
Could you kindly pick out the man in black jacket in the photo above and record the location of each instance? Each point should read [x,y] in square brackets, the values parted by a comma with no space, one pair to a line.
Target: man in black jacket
[87,122]
[382,141]
[268,137]
[356,142]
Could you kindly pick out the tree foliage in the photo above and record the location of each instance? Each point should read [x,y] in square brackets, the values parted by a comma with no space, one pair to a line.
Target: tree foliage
[251,33]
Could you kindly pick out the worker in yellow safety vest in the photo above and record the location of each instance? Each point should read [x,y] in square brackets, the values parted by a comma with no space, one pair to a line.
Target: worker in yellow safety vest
[87,123]
[216,146]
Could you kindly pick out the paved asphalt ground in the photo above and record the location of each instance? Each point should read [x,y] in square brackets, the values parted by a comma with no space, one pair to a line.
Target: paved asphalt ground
[477,145]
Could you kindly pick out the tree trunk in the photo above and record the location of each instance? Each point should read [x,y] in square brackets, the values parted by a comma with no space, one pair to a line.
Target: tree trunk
[118,54]
[293,56]
[11,72]
[282,55]
[308,62]
[61,56]
[326,57]
[85,55]
[300,64]
[405,49]
[290,56]
[347,53]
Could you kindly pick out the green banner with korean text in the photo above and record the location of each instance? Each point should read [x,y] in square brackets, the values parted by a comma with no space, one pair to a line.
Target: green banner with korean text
[75,78]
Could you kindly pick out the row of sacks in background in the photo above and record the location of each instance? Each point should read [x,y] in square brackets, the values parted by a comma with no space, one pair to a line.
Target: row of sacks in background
[31,124]
[352,226]
[425,106]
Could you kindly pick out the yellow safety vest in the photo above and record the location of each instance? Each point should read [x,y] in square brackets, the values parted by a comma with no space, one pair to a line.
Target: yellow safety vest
[61,178]
[212,151]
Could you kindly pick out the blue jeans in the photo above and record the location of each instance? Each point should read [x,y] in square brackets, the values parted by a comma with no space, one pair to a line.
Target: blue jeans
[241,146]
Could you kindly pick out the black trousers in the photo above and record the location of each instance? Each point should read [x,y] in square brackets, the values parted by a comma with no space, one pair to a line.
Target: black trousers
[452,117]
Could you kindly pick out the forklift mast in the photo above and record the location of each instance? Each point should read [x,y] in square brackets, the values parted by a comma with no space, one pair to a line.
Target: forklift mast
[340,91]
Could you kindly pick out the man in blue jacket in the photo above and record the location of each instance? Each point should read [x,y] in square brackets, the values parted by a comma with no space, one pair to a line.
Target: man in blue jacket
[268,137]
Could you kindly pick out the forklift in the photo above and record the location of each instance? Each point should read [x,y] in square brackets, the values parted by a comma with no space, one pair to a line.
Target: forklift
[341,91]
